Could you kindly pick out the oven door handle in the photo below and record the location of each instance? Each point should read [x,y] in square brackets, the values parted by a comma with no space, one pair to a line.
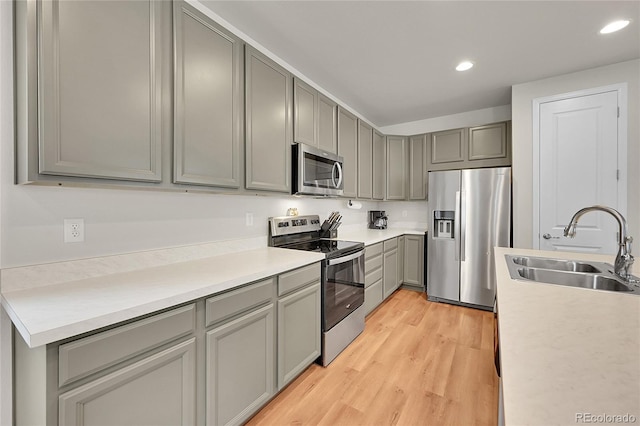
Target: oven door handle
[344,259]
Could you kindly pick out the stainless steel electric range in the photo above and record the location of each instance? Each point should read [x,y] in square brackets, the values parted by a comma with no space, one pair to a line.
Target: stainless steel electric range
[342,277]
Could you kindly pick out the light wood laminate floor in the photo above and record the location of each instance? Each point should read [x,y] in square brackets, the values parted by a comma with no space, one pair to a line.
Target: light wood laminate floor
[417,363]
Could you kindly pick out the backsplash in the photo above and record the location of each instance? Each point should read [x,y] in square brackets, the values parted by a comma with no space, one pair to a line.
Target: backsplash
[126,221]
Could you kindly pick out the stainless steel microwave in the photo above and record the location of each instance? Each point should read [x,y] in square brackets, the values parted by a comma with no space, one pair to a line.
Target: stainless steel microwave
[316,172]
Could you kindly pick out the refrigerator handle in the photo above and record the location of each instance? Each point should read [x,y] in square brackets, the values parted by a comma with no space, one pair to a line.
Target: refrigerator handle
[463,224]
[456,227]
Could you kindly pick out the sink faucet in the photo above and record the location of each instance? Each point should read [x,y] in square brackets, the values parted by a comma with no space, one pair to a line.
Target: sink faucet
[624,260]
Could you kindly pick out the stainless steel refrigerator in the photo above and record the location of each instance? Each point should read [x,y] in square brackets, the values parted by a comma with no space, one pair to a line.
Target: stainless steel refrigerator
[469,214]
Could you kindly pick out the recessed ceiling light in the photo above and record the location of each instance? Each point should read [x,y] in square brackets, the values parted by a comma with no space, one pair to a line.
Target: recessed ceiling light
[614,26]
[464,65]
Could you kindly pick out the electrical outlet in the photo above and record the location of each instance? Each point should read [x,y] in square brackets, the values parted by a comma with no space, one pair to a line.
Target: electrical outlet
[404,213]
[74,230]
[249,219]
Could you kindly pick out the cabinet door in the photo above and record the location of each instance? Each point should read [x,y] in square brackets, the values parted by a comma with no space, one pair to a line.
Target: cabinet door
[390,273]
[305,113]
[448,149]
[365,160]
[372,297]
[157,390]
[207,126]
[396,167]
[414,260]
[488,143]
[327,124]
[100,79]
[379,165]
[418,167]
[240,367]
[401,246]
[298,332]
[267,123]
[348,149]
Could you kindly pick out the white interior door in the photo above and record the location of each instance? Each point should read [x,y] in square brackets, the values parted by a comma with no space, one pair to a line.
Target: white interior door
[578,167]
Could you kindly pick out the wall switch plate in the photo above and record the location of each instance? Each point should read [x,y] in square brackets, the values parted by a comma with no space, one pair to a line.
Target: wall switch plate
[74,230]
[249,219]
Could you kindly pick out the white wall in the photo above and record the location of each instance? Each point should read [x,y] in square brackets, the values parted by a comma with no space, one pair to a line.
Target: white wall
[522,98]
[454,121]
[6,137]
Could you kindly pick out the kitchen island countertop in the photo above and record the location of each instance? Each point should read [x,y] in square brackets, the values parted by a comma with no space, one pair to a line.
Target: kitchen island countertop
[568,355]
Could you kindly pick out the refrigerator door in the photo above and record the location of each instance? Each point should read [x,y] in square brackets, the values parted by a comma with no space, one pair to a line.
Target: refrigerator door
[443,266]
[485,224]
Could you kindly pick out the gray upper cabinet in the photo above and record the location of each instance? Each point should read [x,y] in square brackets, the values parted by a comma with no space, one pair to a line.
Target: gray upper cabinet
[489,145]
[482,146]
[305,113]
[365,160]
[348,149]
[418,167]
[448,147]
[396,167]
[100,79]
[268,127]
[207,111]
[379,165]
[327,124]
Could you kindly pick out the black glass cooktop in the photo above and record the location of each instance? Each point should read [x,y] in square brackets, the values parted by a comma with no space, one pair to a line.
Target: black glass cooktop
[331,248]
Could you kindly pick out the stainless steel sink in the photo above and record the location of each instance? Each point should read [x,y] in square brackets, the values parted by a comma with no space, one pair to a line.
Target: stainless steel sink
[555,264]
[566,272]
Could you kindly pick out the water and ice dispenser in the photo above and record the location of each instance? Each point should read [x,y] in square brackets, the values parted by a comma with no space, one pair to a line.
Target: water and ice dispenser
[443,224]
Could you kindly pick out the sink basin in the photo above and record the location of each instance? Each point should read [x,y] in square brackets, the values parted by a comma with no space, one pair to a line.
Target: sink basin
[567,272]
[593,281]
[555,264]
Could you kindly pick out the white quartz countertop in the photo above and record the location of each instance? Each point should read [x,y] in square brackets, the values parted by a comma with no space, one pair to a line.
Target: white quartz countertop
[568,355]
[373,236]
[54,312]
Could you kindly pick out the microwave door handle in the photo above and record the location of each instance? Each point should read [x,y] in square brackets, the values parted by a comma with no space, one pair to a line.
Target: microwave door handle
[344,259]
[338,167]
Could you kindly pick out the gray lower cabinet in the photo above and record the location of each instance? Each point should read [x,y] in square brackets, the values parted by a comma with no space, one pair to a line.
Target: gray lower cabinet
[268,130]
[299,332]
[401,251]
[100,98]
[157,390]
[418,167]
[207,111]
[390,267]
[414,261]
[348,149]
[365,160]
[240,367]
[396,167]
[373,266]
[379,165]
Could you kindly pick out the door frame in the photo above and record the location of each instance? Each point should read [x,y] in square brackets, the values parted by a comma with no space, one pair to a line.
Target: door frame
[621,89]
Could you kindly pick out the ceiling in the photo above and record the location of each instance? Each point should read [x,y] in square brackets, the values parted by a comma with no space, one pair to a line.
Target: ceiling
[393,61]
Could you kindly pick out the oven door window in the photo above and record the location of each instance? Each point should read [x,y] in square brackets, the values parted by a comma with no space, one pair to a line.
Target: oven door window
[320,172]
[343,290]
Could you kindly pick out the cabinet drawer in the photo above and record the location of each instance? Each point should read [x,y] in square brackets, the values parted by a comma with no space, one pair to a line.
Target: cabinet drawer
[86,356]
[390,244]
[372,296]
[373,263]
[297,278]
[227,305]
[373,276]
[373,250]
